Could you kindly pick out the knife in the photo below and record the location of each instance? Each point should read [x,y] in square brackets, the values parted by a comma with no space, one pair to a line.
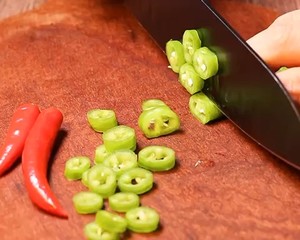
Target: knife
[246,90]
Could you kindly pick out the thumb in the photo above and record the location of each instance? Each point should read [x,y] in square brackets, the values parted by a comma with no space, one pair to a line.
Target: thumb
[279,45]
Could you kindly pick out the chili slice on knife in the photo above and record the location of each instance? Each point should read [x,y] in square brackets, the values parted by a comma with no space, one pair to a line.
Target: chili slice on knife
[21,123]
[191,42]
[175,54]
[189,79]
[203,109]
[35,158]
[205,62]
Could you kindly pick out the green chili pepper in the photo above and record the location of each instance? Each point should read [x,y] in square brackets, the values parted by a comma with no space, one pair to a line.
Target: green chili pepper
[175,54]
[189,79]
[119,138]
[136,180]
[142,219]
[102,119]
[100,154]
[282,69]
[111,222]
[158,122]
[92,231]
[123,201]
[84,178]
[153,103]
[121,161]
[203,108]
[87,202]
[205,62]
[102,180]
[191,42]
[76,166]
[156,158]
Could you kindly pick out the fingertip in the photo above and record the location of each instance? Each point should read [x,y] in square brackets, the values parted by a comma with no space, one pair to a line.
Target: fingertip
[279,44]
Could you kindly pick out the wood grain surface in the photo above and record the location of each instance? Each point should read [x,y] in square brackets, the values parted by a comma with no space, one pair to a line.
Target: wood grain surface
[94,54]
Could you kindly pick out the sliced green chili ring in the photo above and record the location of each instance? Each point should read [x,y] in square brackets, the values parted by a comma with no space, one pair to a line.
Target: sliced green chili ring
[282,69]
[76,166]
[84,178]
[136,180]
[191,42]
[175,54]
[100,154]
[121,161]
[205,62]
[142,219]
[157,158]
[101,119]
[102,180]
[190,79]
[203,109]
[119,138]
[92,231]
[111,222]
[158,121]
[123,201]
[87,202]
[153,103]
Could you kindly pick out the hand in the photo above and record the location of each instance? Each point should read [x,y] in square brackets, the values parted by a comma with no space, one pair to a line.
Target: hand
[279,45]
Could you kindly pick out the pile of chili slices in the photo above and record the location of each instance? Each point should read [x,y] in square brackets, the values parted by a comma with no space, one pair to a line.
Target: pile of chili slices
[119,173]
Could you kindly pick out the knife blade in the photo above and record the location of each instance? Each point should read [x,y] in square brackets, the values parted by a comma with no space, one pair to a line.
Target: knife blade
[246,90]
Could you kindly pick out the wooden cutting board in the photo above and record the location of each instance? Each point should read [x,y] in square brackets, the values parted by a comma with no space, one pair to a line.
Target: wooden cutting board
[89,54]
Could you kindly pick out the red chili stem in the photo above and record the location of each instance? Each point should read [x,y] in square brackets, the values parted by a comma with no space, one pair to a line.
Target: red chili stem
[22,121]
[35,158]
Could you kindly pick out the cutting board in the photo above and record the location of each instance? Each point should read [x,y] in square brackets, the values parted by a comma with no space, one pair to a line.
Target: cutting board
[89,54]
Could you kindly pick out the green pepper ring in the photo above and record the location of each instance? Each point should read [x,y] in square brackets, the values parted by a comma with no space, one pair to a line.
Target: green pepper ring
[136,180]
[156,158]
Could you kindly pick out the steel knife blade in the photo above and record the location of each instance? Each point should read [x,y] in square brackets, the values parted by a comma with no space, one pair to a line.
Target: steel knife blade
[246,90]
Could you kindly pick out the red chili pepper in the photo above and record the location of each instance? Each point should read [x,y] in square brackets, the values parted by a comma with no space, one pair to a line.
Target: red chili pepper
[35,158]
[20,125]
